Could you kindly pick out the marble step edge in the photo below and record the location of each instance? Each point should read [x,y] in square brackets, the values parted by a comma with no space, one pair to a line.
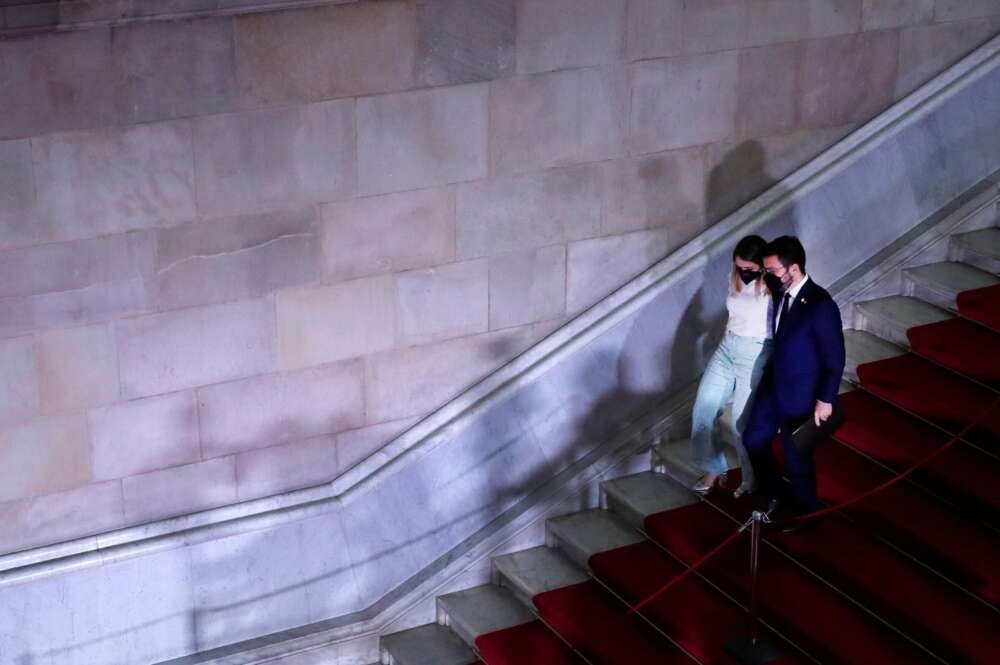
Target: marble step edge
[940,283]
[890,317]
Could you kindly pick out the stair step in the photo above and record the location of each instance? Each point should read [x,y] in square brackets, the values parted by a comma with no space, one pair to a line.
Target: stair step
[634,497]
[940,283]
[536,570]
[864,347]
[891,317]
[583,534]
[426,645]
[979,248]
[481,610]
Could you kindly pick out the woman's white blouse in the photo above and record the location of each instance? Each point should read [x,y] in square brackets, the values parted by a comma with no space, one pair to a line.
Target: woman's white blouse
[748,312]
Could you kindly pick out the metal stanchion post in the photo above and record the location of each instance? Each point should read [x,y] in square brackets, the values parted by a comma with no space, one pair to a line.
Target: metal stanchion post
[754,649]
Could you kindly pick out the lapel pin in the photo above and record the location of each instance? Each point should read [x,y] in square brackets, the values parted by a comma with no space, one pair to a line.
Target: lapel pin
[803,301]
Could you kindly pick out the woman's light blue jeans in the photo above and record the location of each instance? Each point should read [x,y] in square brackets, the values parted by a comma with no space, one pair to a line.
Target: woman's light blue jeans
[733,373]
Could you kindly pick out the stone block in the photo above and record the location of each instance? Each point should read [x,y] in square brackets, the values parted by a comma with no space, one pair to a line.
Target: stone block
[925,51]
[464,41]
[237,257]
[78,368]
[559,34]
[768,92]
[193,347]
[52,518]
[285,467]
[32,15]
[18,381]
[443,302]
[179,490]
[275,159]
[388,233]
[666,189]
[44,456]
[529,211]
[772,21]
[98,302]
[358,444]
[143,435]
[71,266]
[887,14]
[848,79]
[277,408]
[422,138]
[17,194]
[174,69]
[684,101]
[663,28]
[953,10]
[346,320]
[559,118]
[527,286]
[326,52]
[56,81]
[413,381]
[595,268]
[111,180]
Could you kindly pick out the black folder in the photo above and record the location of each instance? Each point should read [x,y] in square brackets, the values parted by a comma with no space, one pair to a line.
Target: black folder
[807,435]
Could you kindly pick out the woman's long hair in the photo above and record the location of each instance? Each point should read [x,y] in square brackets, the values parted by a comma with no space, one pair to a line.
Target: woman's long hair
[749,248]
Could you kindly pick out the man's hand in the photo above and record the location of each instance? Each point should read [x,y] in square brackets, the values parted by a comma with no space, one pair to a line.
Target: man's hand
[822,412]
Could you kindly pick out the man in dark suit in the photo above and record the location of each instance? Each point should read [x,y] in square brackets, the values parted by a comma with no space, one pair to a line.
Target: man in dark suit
[800,381]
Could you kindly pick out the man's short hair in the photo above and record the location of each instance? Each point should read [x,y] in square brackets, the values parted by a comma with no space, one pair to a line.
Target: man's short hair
[789,251]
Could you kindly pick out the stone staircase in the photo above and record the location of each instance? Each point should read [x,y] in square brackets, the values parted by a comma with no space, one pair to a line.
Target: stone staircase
[465,617]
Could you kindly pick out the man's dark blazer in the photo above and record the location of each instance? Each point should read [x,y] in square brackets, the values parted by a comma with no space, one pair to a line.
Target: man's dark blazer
[808,358]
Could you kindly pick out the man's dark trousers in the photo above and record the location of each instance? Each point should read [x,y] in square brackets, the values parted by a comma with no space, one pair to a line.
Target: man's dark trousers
[806,365]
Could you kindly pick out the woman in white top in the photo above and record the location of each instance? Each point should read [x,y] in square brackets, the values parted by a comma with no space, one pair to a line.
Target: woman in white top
[735,369]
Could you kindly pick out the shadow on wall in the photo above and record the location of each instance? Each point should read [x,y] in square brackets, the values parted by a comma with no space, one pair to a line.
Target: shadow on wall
[497,467]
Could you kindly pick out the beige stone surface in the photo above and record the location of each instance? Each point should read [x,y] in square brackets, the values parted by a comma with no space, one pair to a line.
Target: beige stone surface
[143,435]
[78,368]
[663,28]
[116,179]
[665,189]
[558,118]
[56,81]
[528,211]
[159,353]
[326,52]
[422,138]
[288,466]
[237,257]
[684,101]
[44,456]
[389,233]
[769,89]
[174,69]
[953,10]
[275,159]
[527,286]
[559,34]
[771,21]
[885,14]
[51,518]
[179,490]
[18,380]
[927,50]
[848,79]
[357,444]
[443,302]
[413,381]
[595,268]
[276,408]
[346,320]
[18,223]
[463,41]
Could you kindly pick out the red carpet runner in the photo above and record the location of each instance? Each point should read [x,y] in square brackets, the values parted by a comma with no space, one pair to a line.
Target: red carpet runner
[909,575]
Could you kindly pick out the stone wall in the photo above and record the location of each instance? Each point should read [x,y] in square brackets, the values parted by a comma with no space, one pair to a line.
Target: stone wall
[238,254]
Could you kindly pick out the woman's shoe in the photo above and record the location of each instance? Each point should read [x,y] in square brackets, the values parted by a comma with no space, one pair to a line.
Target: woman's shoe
[742,490]
[705,484]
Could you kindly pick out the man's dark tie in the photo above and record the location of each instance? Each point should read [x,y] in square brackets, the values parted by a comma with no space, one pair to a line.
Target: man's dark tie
[784,312]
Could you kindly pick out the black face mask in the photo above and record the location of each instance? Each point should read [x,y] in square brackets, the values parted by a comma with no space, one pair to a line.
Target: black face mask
[774,283]
[748,274]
